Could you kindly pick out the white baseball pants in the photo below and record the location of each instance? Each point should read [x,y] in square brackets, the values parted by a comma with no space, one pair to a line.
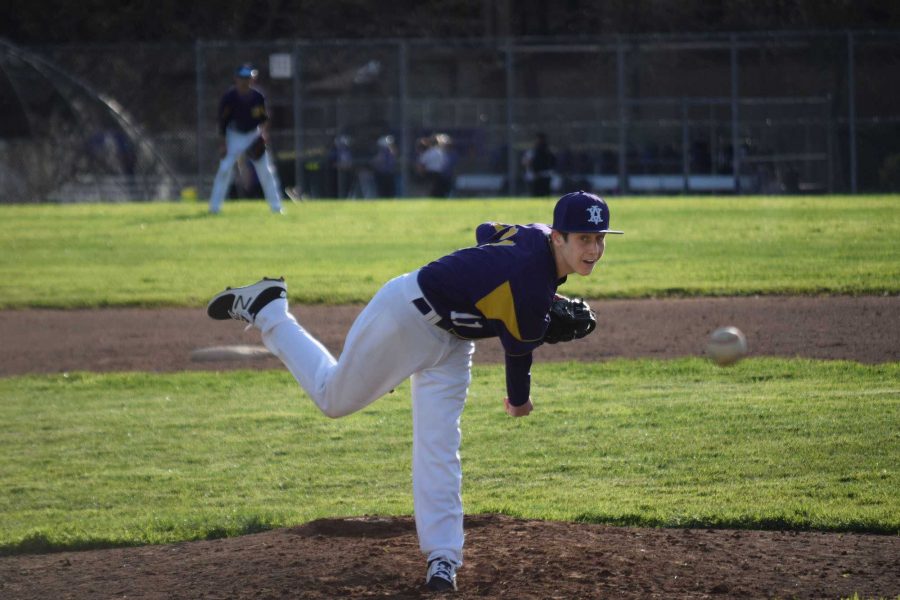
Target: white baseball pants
[389,342]
[236,143]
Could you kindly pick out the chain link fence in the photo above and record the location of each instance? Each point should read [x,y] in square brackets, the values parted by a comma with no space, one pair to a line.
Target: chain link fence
[741,113]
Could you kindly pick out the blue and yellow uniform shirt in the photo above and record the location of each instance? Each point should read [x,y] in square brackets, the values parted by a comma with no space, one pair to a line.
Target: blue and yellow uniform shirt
[503,287]
[244,111]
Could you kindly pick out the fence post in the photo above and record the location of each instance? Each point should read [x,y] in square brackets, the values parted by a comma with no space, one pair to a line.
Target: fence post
[829,140]
[403,66]
[685,146]
[735,117]
[851,108]
[198,67]
[298,119]
[512,183]
[623,116]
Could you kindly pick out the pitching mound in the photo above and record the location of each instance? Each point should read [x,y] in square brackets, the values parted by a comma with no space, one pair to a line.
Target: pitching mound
[505,558]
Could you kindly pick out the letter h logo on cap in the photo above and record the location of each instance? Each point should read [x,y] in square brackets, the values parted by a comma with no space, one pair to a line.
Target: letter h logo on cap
[582,212]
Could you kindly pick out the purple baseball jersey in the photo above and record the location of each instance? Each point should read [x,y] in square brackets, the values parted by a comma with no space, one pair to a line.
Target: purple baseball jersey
[503,287]
[245,111]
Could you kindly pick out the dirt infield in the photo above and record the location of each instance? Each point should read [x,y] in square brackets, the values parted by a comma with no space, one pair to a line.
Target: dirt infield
[865,329]
[505,557]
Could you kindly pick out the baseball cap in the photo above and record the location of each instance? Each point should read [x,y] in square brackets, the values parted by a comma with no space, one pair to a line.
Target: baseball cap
[246,71]
[582,212]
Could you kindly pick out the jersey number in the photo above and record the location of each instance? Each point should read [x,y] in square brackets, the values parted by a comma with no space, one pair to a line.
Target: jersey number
[461,319]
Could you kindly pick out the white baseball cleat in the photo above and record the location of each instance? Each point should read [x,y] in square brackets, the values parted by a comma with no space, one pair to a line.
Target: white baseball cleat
[441,575]
[294,194]
[244,303]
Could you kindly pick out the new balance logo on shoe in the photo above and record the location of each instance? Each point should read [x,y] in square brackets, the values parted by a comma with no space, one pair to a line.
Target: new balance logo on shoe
[244,303]
[240,303]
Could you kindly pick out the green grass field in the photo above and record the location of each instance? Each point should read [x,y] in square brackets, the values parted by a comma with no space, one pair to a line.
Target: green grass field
[123,459]
[94,460]
[341,251]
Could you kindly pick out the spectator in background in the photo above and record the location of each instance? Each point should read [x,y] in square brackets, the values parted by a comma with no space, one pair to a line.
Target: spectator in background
[384,165]
[340,166]
[539,162]
[434,164]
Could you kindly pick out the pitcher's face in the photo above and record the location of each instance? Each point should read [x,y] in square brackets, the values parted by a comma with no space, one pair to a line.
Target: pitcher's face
[579,253]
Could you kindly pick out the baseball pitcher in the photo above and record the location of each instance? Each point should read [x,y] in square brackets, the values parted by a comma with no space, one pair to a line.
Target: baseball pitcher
[423,325]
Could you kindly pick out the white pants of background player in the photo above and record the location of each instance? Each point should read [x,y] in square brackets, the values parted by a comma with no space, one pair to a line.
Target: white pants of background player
[389,342]
[236,143]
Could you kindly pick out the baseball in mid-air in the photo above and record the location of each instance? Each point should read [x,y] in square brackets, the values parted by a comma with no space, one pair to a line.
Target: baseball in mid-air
[726,346]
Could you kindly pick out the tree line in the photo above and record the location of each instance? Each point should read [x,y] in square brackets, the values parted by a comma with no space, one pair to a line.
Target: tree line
[116,21]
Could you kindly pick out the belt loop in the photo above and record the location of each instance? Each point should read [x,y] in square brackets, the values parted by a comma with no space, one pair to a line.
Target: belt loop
[428,312]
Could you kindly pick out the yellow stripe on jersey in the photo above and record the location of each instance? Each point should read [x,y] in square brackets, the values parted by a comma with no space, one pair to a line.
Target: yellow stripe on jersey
[504,239]
[499,305]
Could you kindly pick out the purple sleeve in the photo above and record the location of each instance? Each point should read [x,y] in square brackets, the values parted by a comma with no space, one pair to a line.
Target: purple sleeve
[518,378]
[486,231]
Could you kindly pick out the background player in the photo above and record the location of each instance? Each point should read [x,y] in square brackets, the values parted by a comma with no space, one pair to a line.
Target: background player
[422,324]
[243,123]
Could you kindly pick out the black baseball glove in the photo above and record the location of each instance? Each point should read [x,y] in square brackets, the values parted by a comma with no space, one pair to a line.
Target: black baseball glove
[256,149]
[570,319]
